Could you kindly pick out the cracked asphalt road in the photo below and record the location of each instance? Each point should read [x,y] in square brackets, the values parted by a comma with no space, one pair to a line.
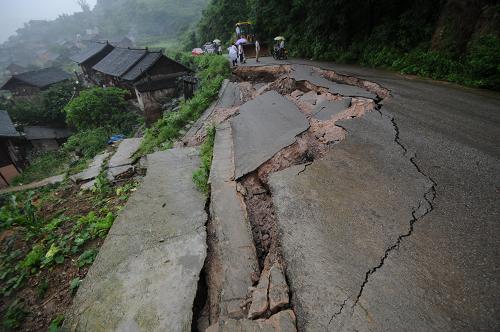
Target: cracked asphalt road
[399,224]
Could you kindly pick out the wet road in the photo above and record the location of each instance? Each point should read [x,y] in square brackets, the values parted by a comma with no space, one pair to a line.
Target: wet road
[431,259]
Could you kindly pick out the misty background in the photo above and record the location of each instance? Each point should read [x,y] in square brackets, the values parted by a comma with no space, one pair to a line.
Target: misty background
[14,13]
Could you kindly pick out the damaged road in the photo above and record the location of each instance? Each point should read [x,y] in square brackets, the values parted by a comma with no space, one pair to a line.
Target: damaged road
[395,227]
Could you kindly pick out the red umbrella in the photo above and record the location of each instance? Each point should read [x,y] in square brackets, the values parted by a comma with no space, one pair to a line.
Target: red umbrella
[196,51]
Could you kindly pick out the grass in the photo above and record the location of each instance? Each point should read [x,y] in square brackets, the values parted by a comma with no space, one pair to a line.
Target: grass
[44,166]
[212,70]
[201,175]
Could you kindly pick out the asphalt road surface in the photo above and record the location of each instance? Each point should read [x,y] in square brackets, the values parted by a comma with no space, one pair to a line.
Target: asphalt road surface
[403,230]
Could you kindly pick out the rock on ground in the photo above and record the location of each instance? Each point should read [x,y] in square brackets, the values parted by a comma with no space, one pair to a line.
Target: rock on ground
[146,274]
[283,321]
[126,149]
[93,170]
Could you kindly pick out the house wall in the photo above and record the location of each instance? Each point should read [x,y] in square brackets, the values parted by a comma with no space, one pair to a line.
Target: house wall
[150,103]
[7,174]
[44,145]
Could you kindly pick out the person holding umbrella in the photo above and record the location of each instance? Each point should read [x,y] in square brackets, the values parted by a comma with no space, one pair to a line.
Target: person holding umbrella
[241,52]
[233,54]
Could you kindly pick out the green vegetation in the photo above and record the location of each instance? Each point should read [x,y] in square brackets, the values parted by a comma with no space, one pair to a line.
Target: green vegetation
[44,109]
[45,165]
[212,72]
[101,108]
[97,113]
[35,243]
[200,176]
[445,39]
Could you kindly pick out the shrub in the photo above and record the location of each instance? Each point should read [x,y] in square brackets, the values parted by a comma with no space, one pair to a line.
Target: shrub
[101,108]
[87,143]
[46,108]
[483,61]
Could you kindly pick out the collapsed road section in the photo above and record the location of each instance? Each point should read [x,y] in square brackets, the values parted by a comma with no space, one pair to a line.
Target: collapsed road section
[284,116]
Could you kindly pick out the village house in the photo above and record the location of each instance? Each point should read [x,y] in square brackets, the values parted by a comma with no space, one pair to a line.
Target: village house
[150,76]
[10,163]
[14,69]
[42,139]
[30,83]
[89,57]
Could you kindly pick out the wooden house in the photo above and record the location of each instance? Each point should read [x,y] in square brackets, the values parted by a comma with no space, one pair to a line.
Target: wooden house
[148,75]
[9,160]
[30,83]
[87,59]
[43,139]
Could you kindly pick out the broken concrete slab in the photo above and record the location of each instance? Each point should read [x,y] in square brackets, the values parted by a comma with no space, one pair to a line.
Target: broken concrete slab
[260,302]
[264,126]
[146,274]
[278,288]
[233,262]
[88,185]
[126,149]
[310,98]
[308,73]
[283,321]
[326,109]
[93,170]
[336,226]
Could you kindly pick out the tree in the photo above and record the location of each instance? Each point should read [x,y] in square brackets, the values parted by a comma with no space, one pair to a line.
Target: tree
[101,108]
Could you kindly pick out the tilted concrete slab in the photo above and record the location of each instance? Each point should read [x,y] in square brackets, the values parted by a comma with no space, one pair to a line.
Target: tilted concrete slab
[234,257]
[326,109]
[308,73]
[340,215]
[93,170]
[125,151]
[264,126]
[146,273]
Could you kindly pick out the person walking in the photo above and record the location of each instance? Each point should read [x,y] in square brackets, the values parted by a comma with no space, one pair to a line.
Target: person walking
[233,54]
[238,31]
[257,49]
[241,53]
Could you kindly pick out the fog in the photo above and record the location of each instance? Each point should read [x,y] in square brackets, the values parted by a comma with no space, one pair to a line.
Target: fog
[14,13]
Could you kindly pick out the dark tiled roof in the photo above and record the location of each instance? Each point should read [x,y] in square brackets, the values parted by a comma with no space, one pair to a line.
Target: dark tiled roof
[40,78]
[144,64]
[92,50]
[7,128]
[119,61]
[37,132]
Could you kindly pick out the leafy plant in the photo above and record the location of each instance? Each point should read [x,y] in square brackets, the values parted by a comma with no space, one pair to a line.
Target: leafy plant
[87,143]
[74,284]
[14,316]
[42,288]
[56,324]
[87,258]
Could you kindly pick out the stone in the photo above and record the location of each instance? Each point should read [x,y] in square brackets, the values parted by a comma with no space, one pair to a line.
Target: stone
[278,288]
[309,98]
[283,321]
[260,302]
[93,170]
[87,185]
[124,154]
[264,126]
[130,287]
